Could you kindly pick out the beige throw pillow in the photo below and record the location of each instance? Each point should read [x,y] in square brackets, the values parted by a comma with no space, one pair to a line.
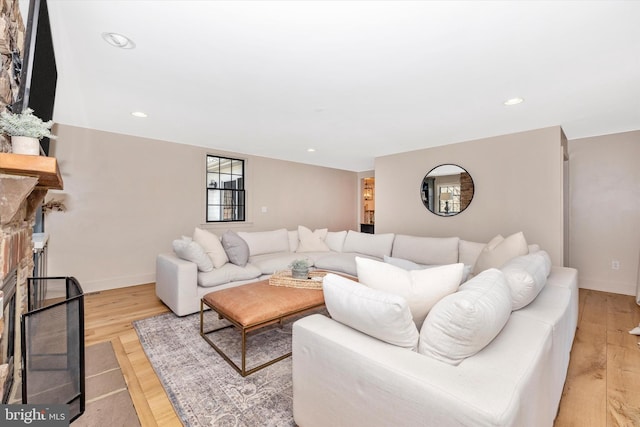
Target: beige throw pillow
[212,246]
[421,288]
[382,315]
[500,250]
[312,241]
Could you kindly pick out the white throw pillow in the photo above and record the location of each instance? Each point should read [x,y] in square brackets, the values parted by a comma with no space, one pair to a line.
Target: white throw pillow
[500,250]
[335,240]
[526,276]
[463,323]
[312,241]
[377,245]
[212,246]
[421,288]
[379,314]
[410,265]
[189,250]
[266,242]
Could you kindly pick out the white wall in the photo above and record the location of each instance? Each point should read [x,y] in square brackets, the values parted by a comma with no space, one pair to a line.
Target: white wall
[605,211]
[129,197]
[518,187]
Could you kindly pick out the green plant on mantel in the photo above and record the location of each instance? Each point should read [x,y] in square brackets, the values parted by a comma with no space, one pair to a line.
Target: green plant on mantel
[25,124]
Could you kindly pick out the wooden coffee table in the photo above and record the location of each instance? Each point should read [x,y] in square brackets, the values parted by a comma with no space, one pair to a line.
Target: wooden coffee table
[254,306]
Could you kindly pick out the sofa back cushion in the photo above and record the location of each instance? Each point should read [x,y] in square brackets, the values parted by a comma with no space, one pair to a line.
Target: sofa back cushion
[264,242]
[468,252]
[379,314]
[421,288]
[426,250]
[463,323]
[526,276]
[377,245]
[335,240]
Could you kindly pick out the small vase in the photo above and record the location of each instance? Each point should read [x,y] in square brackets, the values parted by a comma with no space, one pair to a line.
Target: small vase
[300,273]
[25,145]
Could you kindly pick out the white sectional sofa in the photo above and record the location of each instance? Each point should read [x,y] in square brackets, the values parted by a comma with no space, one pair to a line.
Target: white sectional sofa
[180,284]
[345,377]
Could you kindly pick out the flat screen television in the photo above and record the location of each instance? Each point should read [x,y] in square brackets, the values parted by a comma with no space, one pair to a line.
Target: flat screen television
[38,73]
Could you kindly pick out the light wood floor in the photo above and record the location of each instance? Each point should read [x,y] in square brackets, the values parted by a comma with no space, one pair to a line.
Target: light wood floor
[602,388]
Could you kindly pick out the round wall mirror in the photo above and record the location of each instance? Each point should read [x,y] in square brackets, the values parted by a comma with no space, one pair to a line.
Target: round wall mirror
[447,190]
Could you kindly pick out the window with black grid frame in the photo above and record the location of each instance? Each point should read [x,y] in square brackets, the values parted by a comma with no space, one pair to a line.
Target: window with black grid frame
[225,189]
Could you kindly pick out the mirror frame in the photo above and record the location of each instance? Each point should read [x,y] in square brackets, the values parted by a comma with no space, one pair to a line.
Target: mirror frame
[427,190]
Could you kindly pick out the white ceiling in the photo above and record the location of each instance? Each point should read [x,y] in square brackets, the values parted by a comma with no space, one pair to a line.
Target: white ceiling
[352,79]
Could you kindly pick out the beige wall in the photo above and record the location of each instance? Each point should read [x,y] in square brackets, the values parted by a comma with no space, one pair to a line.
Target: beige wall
[518,187]
[129,197]
[605,211]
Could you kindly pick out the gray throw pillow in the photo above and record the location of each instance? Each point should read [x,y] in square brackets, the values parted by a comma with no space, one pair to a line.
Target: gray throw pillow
[236,248]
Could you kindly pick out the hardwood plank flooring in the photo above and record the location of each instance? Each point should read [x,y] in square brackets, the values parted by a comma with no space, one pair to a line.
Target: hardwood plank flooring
[602,387]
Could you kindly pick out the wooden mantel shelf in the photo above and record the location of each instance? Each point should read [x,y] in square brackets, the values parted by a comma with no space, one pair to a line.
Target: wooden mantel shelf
[42,167]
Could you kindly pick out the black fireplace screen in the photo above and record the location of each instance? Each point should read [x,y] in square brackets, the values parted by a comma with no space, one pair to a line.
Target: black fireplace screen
[53,344]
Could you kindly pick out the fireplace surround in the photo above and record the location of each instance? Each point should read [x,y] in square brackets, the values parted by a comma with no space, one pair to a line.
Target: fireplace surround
[24,181]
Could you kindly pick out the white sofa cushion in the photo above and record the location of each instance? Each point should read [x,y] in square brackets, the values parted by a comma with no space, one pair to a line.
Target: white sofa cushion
[228,273]
[293,240]
[270,263]
[312,241]
[526,276]
[336,261]
[405,264]
[189,250]
[264,242]
[463,323]
[335,240]
[236,248]
[379,314]
[468,252]
[500,250]
[212,246]
[426,250]
[421,288]
[377,245]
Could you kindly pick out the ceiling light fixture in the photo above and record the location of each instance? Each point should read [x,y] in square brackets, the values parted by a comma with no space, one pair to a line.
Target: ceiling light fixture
[139,114]
[311,150]
[118,40]
[513,101]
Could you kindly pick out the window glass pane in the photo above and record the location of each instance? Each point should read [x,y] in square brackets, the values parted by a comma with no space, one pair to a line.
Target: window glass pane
[213,213]
[237,167]
[213,164]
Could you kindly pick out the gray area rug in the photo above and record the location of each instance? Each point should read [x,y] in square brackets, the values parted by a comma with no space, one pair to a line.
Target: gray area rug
[203,388]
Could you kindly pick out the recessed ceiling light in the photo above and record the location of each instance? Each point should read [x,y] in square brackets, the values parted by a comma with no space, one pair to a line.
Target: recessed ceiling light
[118,40]
[139,114]
[513,101]
[311,150]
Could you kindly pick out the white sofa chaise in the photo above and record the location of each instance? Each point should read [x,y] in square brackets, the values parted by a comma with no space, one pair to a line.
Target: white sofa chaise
[343,377]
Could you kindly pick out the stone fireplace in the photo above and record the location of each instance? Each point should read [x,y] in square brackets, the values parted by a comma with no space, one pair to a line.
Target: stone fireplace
[24,181]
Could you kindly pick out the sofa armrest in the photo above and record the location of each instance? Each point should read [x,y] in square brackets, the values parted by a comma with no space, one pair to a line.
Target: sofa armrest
[177,283]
